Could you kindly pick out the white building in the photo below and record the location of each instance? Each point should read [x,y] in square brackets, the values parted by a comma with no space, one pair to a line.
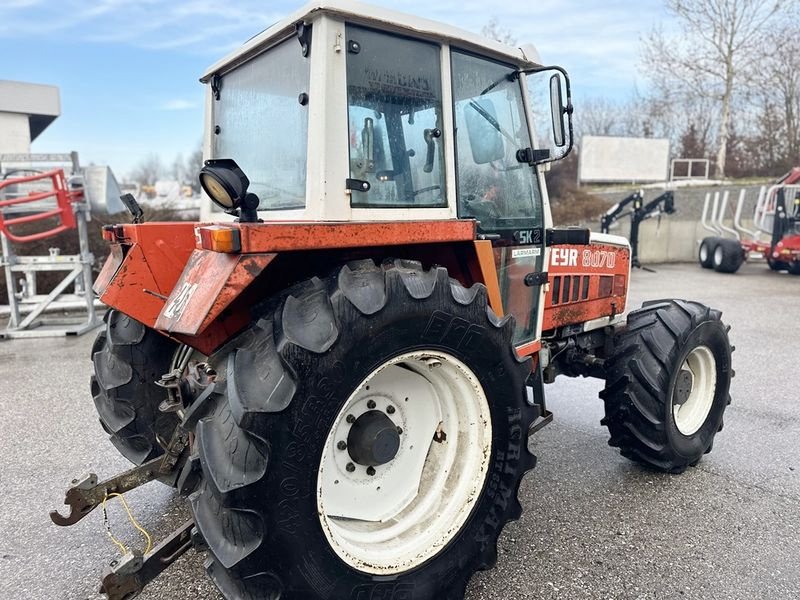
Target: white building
[26,109]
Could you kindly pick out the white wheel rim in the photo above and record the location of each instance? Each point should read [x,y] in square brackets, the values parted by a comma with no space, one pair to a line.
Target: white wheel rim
[718,255]
[411,507]
[696,386]
[703,252]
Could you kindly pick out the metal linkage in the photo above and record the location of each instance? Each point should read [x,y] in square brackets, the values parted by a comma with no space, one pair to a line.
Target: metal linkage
[639,211]
[86,494]
[125,578]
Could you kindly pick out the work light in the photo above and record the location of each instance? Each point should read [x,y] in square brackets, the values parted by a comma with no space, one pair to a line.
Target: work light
[224,182]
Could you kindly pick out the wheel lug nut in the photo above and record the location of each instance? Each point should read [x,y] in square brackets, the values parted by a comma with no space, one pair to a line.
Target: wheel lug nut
[350,419]
[390,409]
[342,445]
[370,471]
[371,404]
[350,467]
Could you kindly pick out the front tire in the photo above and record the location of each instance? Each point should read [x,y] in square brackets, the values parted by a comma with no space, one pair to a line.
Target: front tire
[297,506]
[667,384]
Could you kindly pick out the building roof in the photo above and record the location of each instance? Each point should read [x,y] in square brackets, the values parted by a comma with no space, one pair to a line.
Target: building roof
[41,103]
[376,16]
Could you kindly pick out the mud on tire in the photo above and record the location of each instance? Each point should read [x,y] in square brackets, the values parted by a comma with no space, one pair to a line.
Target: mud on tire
[287,379]
[664,354]
[128,358]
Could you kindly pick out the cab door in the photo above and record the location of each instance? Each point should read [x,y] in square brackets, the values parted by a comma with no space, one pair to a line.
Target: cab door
[496,184]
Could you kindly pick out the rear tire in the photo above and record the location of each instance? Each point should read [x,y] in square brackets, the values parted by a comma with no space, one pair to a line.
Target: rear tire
[129,358]
[667,384]
[794,268]
[264,506]
[706,252]
[728,256]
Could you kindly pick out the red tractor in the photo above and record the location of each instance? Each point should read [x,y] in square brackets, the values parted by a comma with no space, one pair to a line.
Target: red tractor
[342,372]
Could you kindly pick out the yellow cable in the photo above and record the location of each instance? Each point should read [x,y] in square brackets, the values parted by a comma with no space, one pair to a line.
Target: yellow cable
[135,523]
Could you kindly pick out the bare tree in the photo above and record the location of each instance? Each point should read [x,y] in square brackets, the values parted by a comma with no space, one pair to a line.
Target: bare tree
[178,170]
[194,162]
[494,31]
[148,170]
[598,116]
[719,43]
[780,86]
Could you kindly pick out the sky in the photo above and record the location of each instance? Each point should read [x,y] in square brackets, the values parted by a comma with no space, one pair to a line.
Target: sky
[128,69]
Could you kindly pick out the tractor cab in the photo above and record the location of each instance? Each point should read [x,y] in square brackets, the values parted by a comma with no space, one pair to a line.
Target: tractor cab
[350,112]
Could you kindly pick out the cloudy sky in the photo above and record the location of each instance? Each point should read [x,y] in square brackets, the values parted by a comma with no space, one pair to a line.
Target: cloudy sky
[128,69]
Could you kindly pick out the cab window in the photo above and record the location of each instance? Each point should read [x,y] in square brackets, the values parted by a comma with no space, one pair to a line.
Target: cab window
[493,186]
[394,104]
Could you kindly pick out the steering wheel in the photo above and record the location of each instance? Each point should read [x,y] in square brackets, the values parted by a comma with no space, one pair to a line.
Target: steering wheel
[430,188]
[481,209]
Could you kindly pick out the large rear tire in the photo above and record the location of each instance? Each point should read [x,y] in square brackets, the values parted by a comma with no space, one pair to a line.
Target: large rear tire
[128,359]
[667,384]
[328,472]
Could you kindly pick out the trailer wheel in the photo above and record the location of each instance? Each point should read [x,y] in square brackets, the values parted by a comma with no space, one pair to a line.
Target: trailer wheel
[368,442]
[128,359]
[728,256]
[706,253]
[777,265]
[667,384]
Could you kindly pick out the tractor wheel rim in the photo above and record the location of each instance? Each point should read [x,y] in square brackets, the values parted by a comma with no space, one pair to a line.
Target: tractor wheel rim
[703,252]
[694,391]
[392,517]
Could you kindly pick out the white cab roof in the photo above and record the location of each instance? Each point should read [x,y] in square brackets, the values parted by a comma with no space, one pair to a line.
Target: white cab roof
[381,18]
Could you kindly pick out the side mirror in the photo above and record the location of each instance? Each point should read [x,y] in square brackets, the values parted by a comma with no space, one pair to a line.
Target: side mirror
[548,88]
[557,110]
[483,128]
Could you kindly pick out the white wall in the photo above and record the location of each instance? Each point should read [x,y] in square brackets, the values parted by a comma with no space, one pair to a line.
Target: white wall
[15,135]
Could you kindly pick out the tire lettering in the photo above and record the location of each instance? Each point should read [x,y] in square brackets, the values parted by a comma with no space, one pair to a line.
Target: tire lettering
[451,331]
[384,591]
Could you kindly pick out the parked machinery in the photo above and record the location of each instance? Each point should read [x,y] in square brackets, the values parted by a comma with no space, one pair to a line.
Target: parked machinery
[639,211]
[776,237]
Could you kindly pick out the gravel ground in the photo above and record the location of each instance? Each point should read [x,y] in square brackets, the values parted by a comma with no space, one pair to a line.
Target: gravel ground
[595,525]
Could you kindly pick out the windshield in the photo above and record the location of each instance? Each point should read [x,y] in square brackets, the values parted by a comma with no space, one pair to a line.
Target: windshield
[394,104]
[493,186]
[261,122]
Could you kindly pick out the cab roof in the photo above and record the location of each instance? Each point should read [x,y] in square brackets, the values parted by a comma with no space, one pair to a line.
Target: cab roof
[380,18]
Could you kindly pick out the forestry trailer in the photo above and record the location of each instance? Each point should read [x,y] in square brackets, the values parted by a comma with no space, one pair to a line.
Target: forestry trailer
[340,367]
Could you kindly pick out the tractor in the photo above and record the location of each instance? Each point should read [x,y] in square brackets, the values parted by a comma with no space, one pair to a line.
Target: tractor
[341,366]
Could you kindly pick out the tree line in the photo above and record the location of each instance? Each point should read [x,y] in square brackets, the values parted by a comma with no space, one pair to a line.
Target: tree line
[724,85]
